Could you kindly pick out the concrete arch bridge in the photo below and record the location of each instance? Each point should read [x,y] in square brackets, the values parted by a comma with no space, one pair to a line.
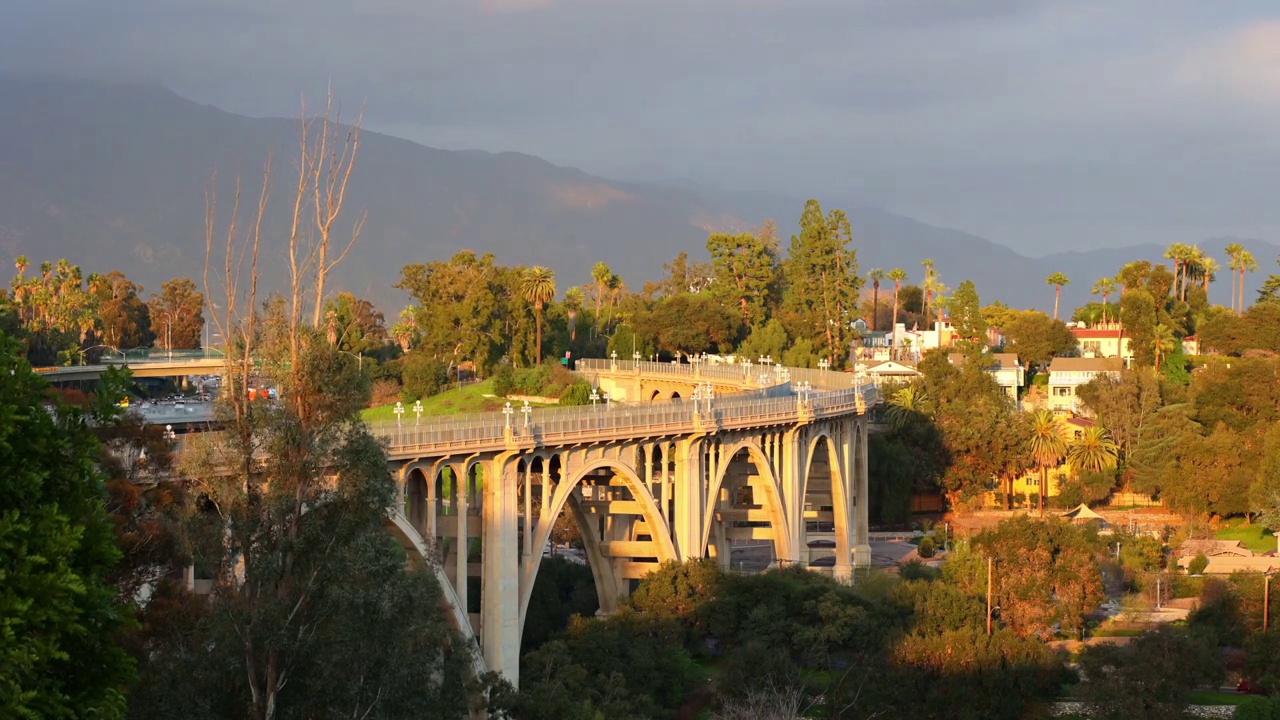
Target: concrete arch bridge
[731,455]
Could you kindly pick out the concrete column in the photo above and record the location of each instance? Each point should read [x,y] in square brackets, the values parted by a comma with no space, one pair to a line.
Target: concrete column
[500,572]
[461,481]
[843,463]
[527,523]
[689,497]
[790,471]
[861,511]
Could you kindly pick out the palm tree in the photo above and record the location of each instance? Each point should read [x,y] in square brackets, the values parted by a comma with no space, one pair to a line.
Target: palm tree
[875,276]
[572,304]
[1233,263]
[1164,343]
[927,285]
[939,302]
[906,404]
[538,285]
[1104,286]
[1208,273]
[898,276]
[1057,280]
[600,273]
[1179,253]
[1045,446]
[1093,451]
[1247,264]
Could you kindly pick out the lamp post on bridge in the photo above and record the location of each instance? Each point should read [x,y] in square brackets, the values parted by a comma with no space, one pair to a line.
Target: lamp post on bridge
[506,414]
[417,413]
[607,398]
[613,364]
[398,410]
[595,398]
[526,410]
[824,364]
[746,369]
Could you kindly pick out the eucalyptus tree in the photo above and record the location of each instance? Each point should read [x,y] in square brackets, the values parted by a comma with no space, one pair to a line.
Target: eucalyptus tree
[1057,280]
[538,285]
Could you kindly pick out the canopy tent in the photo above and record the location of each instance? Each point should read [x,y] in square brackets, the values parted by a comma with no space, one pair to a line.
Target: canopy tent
[1083,514]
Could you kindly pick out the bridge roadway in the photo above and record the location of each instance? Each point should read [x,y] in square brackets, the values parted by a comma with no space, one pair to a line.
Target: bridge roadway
[175,364]
[778,457]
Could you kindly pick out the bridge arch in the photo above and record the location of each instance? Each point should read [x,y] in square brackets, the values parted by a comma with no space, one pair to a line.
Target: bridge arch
[420,556]
[561,499]
[771,499]
[839,494]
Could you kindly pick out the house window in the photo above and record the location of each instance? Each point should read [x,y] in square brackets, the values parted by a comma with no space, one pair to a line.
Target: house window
[1092,347]
[1061,391]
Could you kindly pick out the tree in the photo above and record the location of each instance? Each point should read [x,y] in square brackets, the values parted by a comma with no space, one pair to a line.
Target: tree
[1057,280]
[927,284]
[572,304]
[1093,451]
[967,319]
[875,276]
[356,326]
[1104,286]
[822,280]
[458,308]
[1037,339]
[126,320]
[1045,446]
[1046,575]
[538,287]
[743,267]
[1124,405]
[1270,290]
[601,275]
[1245,264]
[1151,678]
[898,276]
[326,165]
[1138,318]
[60,656]
[1164,342]
[181,308]
[1233,251]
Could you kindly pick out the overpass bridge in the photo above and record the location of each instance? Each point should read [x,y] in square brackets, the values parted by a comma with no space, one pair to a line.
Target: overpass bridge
[697,457]
[170,364]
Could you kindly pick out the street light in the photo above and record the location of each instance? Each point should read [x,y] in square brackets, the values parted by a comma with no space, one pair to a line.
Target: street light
[824,364]
[359,358]
[614,364]
[506,414]
[595,397]
[417,413]
[527,411]
[168,334]
[398,410]
[607,398]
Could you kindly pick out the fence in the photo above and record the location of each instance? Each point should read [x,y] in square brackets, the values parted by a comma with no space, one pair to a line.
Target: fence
[777,403]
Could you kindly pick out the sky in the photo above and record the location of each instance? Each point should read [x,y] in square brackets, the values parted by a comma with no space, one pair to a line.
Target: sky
[1046,125]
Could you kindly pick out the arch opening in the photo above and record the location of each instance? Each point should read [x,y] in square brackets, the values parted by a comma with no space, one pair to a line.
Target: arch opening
[745,528]
[825,533]
[623,537]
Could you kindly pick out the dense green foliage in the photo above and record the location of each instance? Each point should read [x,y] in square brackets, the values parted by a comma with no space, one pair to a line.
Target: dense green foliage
[59,620]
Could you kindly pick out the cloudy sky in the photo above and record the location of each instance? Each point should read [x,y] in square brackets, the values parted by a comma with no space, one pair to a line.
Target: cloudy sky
[1043,124]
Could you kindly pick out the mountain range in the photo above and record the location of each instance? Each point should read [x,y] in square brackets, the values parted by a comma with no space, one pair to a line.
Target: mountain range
[115,176]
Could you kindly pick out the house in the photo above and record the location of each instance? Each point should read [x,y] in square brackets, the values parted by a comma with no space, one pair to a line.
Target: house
[1228,564]
[914,342]
[1004,367]
[890,371]
[1103,341]
[1066,375]
[1027,486]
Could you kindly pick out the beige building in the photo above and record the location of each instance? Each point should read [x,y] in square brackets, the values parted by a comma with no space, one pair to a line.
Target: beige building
[1066,375]
[1103,341]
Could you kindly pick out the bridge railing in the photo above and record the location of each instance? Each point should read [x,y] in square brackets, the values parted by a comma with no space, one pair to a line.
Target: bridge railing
[736,371]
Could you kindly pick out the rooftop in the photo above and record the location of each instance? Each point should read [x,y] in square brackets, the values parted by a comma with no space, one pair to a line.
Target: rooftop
[1069,364]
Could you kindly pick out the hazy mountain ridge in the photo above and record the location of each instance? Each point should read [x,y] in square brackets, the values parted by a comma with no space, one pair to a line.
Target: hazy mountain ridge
[115,176]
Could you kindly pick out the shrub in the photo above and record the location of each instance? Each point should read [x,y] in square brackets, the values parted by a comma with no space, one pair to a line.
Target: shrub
[915,570]
[1262,662]
[384,392]
[1258,708]
[1198,564]
[532,382]
[504,380]
[423,376]
[576,394]
[926,548]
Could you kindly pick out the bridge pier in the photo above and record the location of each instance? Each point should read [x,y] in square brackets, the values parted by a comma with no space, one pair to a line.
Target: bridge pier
[500,572]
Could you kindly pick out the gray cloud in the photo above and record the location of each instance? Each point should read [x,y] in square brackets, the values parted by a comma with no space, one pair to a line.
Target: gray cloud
[1045,124]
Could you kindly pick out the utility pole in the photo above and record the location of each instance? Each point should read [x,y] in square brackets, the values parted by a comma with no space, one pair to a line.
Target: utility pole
[1266,601]
[990,563]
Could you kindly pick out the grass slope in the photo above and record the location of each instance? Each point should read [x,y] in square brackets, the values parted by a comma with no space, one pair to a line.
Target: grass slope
[466,399]
[1255,537]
